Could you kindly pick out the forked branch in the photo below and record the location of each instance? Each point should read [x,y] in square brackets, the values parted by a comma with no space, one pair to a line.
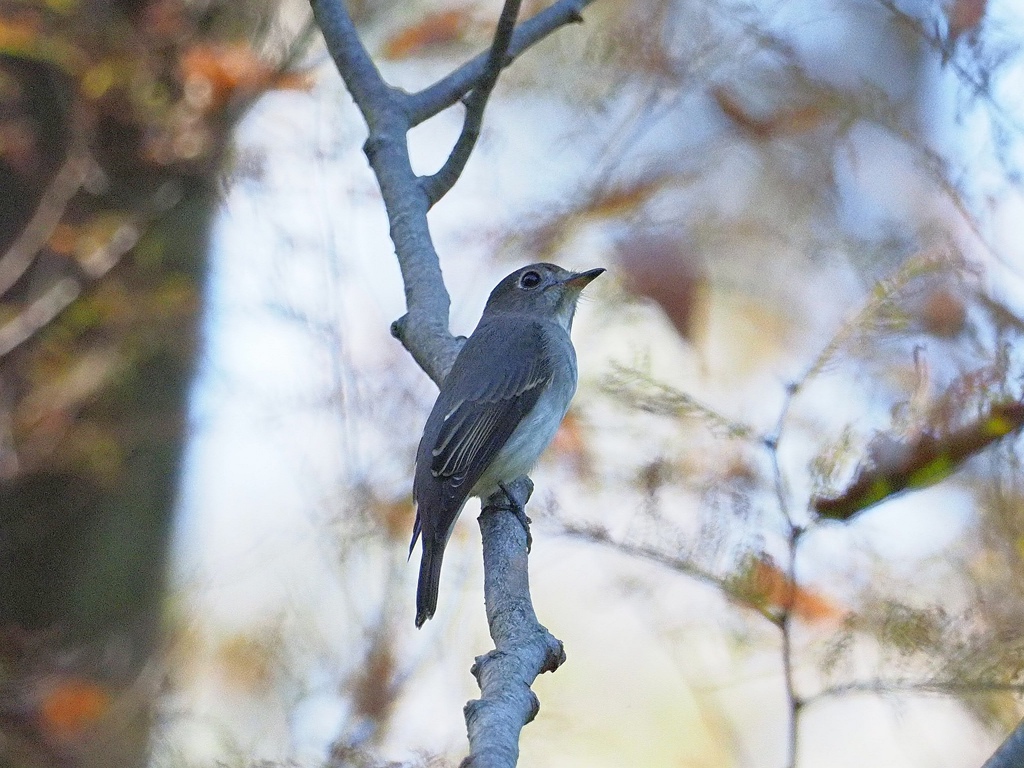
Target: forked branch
[523,648]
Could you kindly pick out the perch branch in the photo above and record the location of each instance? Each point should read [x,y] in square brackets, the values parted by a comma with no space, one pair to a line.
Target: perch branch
[389,115]
[523,648]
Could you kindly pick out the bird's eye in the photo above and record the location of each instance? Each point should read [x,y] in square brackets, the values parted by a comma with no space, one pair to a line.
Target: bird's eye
[530,279]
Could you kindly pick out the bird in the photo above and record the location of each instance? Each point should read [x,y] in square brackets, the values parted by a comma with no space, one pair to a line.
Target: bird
[498,408]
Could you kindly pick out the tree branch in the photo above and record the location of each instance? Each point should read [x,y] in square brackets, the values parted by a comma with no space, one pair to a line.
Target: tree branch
[436,186]
[389,114]
[369,91]
[893,466]
[423,330]
[523,648]
[445,92]
[794,701]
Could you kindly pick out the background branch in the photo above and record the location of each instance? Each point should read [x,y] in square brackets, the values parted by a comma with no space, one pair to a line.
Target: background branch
[794,701]
[49,212]
[906,686]
[38,314]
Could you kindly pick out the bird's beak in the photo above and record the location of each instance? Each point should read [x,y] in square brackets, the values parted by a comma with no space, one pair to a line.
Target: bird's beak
[580,280]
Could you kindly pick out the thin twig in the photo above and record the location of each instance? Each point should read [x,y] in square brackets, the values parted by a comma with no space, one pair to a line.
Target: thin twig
[980,87]
[901,686]
[361,76]
[785,618]
[795,701]
[677,563]
[447,91]
[436,186]
[642,391]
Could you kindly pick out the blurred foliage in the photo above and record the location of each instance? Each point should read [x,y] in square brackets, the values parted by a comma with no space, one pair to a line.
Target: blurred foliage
[895,466]
[114,123]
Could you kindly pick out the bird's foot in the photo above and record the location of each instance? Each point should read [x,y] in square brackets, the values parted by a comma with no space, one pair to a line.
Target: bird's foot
[517,509]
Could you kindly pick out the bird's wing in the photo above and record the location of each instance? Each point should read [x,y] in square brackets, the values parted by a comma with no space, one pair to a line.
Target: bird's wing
[478,410]
[476,425]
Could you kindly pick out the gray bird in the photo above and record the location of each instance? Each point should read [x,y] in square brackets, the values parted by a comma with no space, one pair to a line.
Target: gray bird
[498,408]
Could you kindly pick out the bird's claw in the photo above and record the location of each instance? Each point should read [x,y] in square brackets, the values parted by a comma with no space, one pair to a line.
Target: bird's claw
[519,511]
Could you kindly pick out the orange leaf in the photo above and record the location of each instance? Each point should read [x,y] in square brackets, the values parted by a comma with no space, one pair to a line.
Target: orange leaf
[622,200]
[570,442]
[249,662]
[164,18]
[433,31]
[373,695]
[783,121]
[227,70]
[965,15]
[19,34]
[397,516]
[72,706]
[801,119]
[18,146]
[63,239]
[943,313]
[766,583]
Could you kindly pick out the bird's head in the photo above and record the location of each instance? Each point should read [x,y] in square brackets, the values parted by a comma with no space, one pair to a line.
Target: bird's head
[543,290]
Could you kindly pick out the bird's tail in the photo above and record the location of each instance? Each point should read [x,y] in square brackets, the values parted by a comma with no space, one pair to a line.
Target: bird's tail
[430,580]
